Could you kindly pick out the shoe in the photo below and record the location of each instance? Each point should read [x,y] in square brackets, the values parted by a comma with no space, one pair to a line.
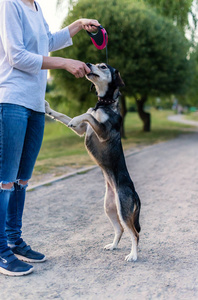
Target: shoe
[12,266]
[25,253]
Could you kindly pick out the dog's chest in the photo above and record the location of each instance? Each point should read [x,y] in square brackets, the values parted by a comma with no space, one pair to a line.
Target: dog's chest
[100,116]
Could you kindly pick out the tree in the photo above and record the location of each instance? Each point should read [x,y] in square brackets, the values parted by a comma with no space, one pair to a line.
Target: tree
[190,98]
[148,50]
[177,10]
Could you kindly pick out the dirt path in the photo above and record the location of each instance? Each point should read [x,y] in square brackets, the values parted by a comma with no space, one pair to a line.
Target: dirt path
[66,221]
[181,119]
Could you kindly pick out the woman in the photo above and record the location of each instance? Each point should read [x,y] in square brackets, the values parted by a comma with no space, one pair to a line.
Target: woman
[25,41]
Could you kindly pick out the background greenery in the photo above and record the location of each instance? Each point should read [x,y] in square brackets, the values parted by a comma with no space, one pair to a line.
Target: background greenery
[148,44]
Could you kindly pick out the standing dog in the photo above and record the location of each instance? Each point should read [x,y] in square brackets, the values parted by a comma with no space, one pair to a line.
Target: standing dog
[101,126]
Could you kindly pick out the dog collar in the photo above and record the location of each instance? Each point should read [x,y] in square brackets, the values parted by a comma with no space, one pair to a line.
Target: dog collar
[105,101]
[109,100]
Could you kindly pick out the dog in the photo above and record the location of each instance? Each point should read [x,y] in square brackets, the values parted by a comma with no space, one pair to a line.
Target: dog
[101,126]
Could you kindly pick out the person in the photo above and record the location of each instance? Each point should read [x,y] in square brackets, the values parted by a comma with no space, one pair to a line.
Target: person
[25,41]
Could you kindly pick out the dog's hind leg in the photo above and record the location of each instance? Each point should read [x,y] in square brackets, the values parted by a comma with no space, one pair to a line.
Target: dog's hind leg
[111,211]
[127,213]
[132,256]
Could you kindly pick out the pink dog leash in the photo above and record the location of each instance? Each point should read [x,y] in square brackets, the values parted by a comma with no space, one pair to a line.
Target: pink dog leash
[100,39]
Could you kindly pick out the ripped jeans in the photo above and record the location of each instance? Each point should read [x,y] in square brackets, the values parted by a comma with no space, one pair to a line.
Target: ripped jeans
[21,134]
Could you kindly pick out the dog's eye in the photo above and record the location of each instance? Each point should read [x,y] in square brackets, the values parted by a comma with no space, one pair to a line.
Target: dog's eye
[103,67]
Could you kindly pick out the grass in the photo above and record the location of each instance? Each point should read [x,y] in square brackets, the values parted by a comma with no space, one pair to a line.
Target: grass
[192,116]
[161,129]
[62,148]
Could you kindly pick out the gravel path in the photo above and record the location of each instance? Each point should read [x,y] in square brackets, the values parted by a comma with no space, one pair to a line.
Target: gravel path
[66,221]
[181,119]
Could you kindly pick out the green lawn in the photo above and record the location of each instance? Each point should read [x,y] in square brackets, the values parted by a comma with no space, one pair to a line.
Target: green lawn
[192,116]
[62,147]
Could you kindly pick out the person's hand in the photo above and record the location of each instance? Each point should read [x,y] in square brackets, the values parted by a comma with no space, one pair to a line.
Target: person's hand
[86,24]
[89,24]
[76,67]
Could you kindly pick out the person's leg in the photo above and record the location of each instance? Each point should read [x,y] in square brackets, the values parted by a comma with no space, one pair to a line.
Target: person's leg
[15,212]
[32,144]
[31,147]
[12,131]
[9,263]
[13,123]
[5,191]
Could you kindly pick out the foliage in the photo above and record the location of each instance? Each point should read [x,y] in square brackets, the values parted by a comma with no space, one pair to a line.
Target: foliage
[191,96]
[147,49]
[176,10]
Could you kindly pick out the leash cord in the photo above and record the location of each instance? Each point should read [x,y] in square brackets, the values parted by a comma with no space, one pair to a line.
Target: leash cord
[106,48]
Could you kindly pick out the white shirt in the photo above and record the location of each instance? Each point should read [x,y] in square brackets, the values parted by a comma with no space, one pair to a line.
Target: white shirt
[24,40]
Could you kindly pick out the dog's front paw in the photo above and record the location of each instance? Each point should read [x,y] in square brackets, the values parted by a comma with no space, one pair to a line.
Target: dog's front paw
[74,122]
[47,106]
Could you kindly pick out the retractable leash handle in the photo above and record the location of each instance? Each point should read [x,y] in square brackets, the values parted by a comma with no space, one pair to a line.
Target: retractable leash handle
[100,38]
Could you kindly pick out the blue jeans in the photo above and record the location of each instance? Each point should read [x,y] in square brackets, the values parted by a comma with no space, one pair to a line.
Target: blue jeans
[21,134]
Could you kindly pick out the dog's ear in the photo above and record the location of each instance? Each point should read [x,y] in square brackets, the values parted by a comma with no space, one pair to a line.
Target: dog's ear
[118,80]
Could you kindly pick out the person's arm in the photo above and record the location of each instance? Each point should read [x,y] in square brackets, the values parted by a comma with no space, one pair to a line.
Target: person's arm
[86,24]
[63,37]
[58,40]
[75,67]
[11,33]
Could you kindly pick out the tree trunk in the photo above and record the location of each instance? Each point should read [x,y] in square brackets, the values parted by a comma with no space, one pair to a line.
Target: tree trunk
[144,116]
[123,113]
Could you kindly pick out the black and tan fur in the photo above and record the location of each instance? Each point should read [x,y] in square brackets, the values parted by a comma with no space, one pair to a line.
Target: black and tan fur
[101,126]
